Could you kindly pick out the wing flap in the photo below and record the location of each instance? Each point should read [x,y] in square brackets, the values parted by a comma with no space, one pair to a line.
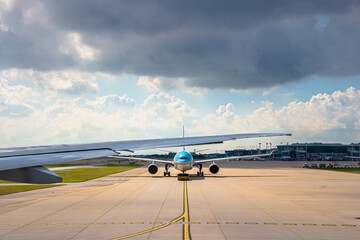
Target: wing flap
[51,158]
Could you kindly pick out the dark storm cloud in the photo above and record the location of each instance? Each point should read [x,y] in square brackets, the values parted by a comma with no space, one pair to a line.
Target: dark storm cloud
[214,44]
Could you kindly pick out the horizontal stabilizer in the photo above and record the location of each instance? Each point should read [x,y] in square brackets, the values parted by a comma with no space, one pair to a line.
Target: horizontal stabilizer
[37,175]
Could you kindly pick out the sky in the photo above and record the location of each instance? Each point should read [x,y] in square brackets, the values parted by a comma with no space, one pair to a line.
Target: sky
[90,71]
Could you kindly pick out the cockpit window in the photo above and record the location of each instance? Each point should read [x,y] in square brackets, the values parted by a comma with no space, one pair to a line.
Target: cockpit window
[183,157]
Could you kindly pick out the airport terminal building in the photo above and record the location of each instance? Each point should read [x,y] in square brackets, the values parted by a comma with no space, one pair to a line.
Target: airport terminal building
[308,151]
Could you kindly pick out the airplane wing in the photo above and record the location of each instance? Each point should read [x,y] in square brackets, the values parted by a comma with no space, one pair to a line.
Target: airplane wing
[352,157]
[235,157]
[22,159]
[142,159]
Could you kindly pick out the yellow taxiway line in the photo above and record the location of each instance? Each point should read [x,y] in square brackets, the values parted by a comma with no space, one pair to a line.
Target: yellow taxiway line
[185,216]
[186,231]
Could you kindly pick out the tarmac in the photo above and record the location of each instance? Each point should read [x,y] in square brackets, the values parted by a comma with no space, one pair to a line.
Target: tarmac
[245,200]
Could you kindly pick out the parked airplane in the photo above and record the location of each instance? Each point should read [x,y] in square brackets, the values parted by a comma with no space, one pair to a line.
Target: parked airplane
[184,161]
[24,164]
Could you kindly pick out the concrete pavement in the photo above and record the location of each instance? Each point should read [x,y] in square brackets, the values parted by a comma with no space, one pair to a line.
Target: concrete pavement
[253,202]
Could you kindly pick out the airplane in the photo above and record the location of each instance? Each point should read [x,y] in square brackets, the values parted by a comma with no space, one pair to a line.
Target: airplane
[349,157]
[24,164]
[184,161]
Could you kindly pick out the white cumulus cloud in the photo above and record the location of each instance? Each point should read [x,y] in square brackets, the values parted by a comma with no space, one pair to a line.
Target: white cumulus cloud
[15,100]
[67,81]
[110,117]
[25,121]
[323,115]
[156,84]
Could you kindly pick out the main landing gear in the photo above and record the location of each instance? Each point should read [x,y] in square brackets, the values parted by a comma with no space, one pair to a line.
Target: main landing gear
[200,172]
[166,173]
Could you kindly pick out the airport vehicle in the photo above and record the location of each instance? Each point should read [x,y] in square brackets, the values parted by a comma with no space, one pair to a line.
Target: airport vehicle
[183,176]
[314,165]
[285,158]
[24,164]
[322,165]
[305,165]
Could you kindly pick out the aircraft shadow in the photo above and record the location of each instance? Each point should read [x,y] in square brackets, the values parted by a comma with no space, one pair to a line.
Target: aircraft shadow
[195,177]
[244,176]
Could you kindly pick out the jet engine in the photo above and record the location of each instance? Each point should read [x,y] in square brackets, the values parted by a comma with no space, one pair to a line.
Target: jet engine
[152,168]
[214,168]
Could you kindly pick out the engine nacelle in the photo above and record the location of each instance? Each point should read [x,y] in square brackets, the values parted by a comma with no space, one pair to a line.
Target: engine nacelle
[214,168]
[152,168]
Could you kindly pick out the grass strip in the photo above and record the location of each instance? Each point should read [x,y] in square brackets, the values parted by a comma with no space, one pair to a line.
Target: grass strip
[23,188]
[85,174]
[2,181]
[64,165]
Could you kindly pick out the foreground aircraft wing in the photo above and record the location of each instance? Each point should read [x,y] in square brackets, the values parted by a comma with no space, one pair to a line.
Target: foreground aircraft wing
[20,161]
[236,157]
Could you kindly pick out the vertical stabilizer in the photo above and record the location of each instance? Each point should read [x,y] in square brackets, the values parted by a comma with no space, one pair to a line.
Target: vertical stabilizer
[183,135]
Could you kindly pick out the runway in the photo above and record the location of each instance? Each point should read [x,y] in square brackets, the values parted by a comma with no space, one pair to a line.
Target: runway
[246,200]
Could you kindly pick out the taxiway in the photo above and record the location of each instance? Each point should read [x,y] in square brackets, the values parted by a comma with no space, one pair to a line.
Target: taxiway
[246,200]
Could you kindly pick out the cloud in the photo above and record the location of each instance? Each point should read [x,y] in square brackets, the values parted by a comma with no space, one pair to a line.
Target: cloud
[333,116]
[159,83]
[16,101]
[6,4]
[25,120]
[69,81]
[78,119]
[75,47]
[187,45]
[162,114]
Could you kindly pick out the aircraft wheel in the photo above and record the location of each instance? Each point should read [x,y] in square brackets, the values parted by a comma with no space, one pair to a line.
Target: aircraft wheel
[202,174]
[164,174]
[197,174]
